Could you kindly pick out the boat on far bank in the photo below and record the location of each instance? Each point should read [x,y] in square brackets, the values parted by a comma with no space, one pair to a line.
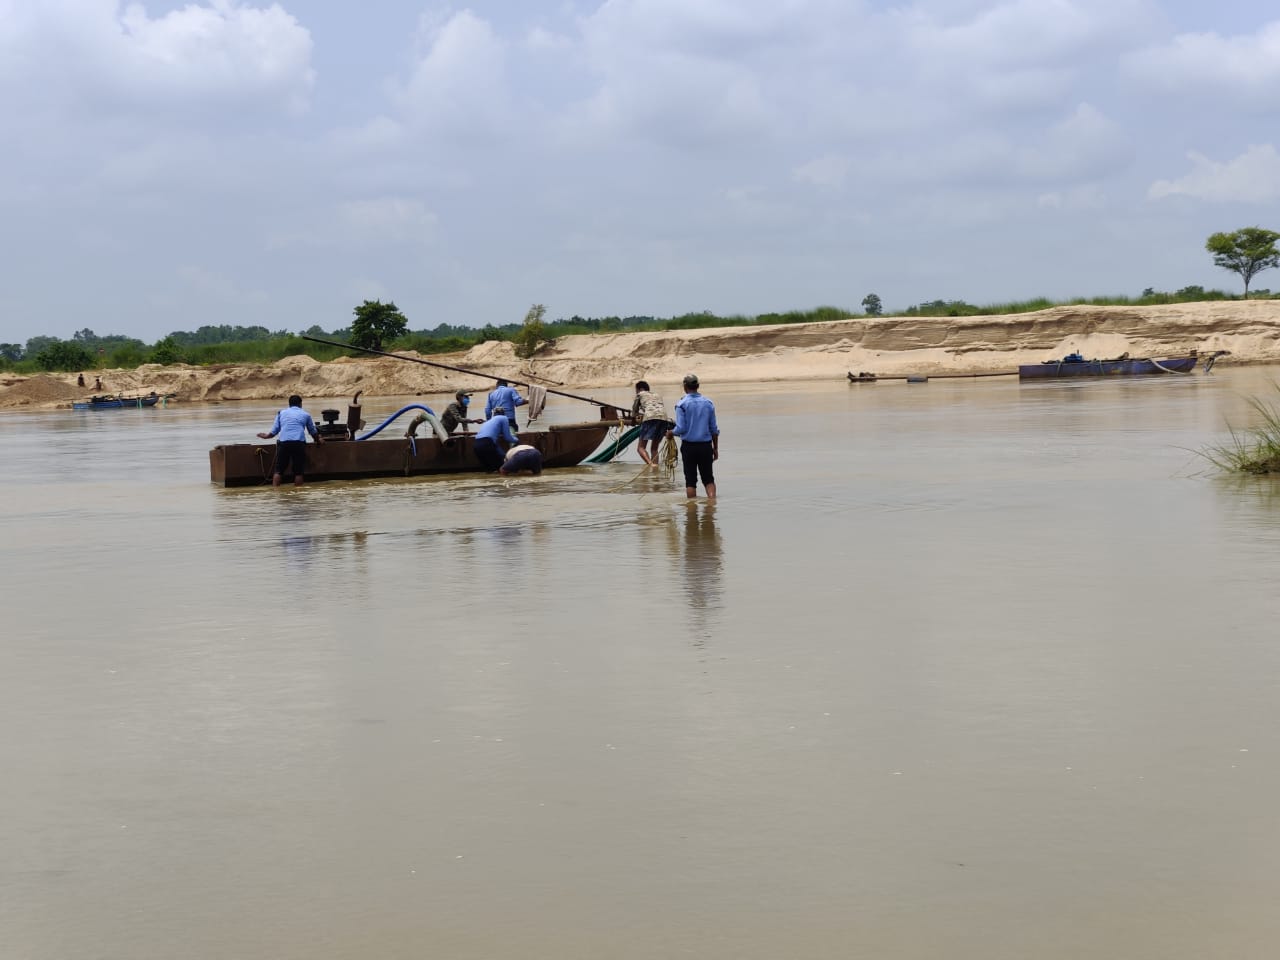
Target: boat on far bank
[1075,365]
[112,402]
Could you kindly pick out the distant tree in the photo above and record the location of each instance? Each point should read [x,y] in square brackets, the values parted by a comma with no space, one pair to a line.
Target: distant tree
[871,303]
[1247,252]
[377,323]
[164,352]
[315,330]
[533,332]
[1148,292]
[64,355]
[222,333]
[37,345]
[11,351]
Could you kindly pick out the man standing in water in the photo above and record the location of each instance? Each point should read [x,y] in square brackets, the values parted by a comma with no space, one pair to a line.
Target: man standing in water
[696,426]
[292,425]
[648,411]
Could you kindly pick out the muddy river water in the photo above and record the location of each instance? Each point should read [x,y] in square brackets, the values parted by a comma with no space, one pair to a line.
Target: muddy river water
[965,669]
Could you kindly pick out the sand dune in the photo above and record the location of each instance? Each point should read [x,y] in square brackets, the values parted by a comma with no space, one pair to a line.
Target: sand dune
[892,346]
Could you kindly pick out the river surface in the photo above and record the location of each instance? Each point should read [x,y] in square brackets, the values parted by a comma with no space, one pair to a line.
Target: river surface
[969,669]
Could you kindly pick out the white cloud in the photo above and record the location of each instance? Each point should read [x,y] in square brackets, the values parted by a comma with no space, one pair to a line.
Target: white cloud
[1245,67]
[1087,197]
[827,171]
[1085,145]
[1025,33]
[459,85]
[1252,177]
[92,52]
[542,40]
[386,220]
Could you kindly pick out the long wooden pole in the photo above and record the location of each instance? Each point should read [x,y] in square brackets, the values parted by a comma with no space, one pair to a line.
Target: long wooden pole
[445,366]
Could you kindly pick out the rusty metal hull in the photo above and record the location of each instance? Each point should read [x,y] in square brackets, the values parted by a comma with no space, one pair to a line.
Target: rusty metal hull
[250,464]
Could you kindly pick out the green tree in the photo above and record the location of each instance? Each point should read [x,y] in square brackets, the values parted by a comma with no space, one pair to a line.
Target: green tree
[37,345]
[11,352]
[871,303]
[377,323]
[165,352]
[1247,252]
[532,332]
[64,355]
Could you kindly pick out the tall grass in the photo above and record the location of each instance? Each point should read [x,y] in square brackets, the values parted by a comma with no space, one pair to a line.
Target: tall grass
[1253,451]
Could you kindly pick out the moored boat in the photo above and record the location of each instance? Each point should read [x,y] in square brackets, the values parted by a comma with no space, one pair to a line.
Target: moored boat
[1075,365]
[117,403]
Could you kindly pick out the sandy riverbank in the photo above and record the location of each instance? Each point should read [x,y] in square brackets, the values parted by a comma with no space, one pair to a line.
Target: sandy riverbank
[892,346]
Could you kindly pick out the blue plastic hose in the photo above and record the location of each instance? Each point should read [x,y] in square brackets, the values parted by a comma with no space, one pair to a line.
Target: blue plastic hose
[387,422]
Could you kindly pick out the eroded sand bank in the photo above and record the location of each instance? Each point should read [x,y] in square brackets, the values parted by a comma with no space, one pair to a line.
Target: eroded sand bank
[892,346]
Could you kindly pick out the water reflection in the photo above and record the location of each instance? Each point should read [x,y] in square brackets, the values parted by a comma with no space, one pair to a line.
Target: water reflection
[702,568]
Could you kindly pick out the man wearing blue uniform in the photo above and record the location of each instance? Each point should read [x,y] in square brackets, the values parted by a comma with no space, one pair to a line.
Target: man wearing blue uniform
[700,435]
[292,426]
[492,440]
[504,399]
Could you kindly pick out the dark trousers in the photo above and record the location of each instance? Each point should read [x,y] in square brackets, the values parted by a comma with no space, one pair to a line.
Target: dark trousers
[695,455]
[488,454]
[291,457]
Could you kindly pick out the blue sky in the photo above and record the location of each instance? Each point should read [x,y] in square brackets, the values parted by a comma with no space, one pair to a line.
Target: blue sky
[169,165]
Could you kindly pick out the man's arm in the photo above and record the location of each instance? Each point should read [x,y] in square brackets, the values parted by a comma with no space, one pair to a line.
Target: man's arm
[275,428]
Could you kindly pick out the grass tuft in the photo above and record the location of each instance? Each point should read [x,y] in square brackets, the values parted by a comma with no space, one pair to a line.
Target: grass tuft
[1255,451]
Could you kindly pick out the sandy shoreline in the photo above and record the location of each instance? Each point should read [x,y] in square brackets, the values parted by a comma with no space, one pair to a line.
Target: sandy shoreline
[894,346]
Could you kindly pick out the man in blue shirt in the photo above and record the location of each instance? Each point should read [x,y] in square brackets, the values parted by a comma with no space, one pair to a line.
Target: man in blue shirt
[292,426]
[492,440]
[700,435]
[504,399]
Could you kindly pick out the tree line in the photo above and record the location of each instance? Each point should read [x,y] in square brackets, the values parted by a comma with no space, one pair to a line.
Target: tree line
[377,325]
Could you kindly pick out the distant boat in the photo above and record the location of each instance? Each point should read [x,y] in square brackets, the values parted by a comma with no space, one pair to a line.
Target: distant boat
[117,403]
[1075,365]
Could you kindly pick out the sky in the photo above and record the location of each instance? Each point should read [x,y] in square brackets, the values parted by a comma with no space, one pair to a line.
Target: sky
[169,165]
